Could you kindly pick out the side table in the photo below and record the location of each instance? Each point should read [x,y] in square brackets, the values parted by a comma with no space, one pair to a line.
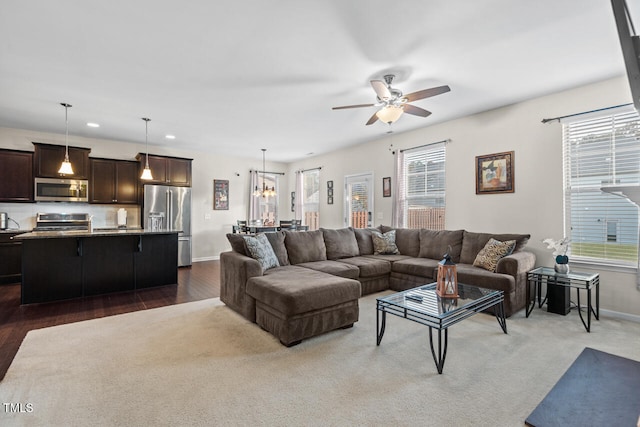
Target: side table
[574,279]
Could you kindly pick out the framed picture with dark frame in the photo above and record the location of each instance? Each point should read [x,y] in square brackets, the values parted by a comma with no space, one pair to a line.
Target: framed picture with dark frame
[495,173]
[386,186]
[220,194]
[329,200]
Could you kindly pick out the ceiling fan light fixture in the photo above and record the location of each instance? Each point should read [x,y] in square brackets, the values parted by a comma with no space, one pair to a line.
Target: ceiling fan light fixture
[390,113]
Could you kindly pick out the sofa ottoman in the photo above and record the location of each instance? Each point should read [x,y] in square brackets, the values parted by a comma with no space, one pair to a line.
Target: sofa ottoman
[294,303]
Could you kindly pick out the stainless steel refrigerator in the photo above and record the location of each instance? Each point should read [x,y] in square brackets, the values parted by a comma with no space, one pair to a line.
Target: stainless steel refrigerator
[169,208]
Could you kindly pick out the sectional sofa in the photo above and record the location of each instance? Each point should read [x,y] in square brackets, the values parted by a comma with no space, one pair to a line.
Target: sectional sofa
[313,284]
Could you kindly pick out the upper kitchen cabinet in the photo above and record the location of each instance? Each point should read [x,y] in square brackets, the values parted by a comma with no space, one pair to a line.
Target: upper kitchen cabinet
[16,176]
[167,170]
[113,181]
[48,158]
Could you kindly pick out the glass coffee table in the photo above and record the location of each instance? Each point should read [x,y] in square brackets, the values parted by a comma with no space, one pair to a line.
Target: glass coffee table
[424,306]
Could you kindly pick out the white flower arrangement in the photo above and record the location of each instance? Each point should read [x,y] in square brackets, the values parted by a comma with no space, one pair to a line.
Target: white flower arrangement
[560,248]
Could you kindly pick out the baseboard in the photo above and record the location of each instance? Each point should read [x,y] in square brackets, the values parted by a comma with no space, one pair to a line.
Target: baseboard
[206,258]
[619,315]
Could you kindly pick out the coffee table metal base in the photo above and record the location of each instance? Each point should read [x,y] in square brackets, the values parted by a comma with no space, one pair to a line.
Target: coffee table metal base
[439,351]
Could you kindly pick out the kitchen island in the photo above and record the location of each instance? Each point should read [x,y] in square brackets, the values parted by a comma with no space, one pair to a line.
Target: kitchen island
[58,265]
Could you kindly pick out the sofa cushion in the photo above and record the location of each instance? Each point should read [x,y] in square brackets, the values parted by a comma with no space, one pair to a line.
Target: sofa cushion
[333,267]
[365,242]
[340,243]
[408,241]
[492,252]
[477,276]
[305,246]
[384,244]
[237,243]
[294,290]
[276,239]
[434,244]
[422,267]
[369,267]
[472,243]
[260,249]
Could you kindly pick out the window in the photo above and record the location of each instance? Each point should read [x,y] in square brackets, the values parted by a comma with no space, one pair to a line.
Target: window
[421,187]
[602,151]
[311,198]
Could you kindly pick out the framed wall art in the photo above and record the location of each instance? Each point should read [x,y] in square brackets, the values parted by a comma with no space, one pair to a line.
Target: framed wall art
[386,186]
[495,173]
[221,194]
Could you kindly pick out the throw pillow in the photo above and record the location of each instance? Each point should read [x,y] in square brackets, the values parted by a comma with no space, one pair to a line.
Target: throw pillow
[384,244]
[492,252]
[237,243]
[260,249]
[340,243]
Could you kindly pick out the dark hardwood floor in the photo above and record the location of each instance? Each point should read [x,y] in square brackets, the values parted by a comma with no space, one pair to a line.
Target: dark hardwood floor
[198,282]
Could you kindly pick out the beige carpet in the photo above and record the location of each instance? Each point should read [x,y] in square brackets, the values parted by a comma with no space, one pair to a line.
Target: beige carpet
[202,364]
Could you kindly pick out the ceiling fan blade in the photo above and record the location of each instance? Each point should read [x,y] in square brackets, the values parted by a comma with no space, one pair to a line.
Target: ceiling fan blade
[352,106]
[416,111]
[373,119]
[381,89]
[426,93]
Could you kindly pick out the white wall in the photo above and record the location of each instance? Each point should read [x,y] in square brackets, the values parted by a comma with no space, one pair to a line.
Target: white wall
[536,205]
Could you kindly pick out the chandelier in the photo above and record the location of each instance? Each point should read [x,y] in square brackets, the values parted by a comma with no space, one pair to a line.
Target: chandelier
[266,191]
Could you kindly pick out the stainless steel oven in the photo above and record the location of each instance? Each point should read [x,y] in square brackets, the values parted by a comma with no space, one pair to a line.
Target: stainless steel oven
[61,190]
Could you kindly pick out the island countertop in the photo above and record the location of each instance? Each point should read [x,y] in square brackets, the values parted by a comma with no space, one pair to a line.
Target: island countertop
[97,232]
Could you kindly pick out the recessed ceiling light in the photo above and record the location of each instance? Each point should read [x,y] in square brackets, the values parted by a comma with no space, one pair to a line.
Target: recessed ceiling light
[170,136]
[93,125]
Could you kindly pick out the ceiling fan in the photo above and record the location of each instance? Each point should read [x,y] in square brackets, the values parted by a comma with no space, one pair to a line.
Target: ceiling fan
[393,103]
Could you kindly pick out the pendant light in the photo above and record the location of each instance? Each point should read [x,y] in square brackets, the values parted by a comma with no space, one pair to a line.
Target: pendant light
[146,173]
[65,167]
[266,192]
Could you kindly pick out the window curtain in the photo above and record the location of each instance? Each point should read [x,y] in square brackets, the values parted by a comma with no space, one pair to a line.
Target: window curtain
[254,201]
[397,193]
[299,205]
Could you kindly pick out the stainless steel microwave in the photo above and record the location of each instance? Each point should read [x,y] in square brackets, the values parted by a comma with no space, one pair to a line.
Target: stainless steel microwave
[61,190]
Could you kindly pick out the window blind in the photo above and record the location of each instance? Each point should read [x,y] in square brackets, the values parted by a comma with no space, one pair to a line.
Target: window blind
[601,151]
[421,189]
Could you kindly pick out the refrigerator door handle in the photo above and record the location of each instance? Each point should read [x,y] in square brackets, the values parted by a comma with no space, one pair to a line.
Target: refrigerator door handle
[170,224]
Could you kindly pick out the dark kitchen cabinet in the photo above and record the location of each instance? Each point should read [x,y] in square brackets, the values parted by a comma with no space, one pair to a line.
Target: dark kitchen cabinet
[113,181]
[71,267]
[51,269]
[48,158]
[150,271]
[117,274]
[16,176]
[167,170]
[11,256]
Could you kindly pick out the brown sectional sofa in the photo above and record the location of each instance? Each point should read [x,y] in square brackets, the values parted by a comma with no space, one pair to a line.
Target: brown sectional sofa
[323,273]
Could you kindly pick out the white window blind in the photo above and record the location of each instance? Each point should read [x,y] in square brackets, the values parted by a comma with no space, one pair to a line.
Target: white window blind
[421,187]
[602,151]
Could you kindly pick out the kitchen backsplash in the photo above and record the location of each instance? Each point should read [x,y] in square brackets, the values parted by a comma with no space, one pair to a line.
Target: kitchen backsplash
[104,216]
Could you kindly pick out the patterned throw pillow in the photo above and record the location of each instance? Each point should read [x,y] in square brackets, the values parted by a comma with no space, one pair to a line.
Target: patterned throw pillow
[492,252]
[384,244]
[261,250]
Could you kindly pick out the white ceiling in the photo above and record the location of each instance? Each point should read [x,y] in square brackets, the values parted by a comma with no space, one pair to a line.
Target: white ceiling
[235,76]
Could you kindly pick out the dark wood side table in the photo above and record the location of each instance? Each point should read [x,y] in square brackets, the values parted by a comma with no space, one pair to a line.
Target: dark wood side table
[561,282]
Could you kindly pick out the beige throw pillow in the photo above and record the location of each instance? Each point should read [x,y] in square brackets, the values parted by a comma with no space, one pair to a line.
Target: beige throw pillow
[492,252]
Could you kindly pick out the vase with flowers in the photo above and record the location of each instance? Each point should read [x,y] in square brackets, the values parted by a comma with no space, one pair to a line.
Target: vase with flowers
[560,248]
